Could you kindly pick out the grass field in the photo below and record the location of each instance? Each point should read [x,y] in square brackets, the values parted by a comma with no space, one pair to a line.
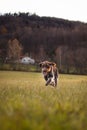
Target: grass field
[27,104]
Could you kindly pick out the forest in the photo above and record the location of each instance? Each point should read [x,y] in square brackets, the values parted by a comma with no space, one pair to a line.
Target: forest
[44,38]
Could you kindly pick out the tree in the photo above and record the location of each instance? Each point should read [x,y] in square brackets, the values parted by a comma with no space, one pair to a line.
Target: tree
[14,49]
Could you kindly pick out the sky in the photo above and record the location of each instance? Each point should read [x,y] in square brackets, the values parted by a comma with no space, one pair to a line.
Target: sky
[75,10]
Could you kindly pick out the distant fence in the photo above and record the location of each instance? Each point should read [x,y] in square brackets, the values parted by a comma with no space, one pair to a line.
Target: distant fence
[36,68]
[20,67]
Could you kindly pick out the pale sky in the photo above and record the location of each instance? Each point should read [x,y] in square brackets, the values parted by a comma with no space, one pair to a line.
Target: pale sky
[67,9]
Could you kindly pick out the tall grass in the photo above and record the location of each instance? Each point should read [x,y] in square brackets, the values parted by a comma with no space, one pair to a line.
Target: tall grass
[27,104]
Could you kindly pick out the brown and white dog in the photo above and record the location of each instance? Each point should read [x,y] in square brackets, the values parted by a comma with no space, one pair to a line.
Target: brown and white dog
[50,72]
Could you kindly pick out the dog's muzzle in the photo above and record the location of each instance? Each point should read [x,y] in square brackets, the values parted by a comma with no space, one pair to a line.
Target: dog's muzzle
[44,72]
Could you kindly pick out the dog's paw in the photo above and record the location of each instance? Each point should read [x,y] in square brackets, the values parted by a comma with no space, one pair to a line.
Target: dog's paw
[52,83]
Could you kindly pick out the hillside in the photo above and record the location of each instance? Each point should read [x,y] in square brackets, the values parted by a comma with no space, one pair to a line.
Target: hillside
[43,38]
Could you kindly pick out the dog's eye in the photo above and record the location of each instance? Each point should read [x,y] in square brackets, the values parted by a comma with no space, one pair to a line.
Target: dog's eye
[42,65]
[47,66]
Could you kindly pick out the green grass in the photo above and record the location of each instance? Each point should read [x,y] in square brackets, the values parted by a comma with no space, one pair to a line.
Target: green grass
[27,104]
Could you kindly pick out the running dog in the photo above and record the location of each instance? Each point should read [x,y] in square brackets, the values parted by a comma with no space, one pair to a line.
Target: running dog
[50,72]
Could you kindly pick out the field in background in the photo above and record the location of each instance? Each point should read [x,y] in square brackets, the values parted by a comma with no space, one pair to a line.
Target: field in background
[27,104]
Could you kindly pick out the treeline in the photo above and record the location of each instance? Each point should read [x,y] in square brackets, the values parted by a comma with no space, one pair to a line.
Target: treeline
[46,38]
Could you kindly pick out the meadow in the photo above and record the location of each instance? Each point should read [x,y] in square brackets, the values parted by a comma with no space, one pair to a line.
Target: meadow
[27,104]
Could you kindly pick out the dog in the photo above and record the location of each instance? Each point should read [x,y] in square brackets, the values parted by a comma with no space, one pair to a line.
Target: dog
[50,72]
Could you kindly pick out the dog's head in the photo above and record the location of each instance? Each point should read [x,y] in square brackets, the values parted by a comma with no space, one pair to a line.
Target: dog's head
[46,67]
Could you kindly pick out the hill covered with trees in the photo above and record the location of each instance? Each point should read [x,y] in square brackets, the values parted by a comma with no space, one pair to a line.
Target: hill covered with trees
[45,38]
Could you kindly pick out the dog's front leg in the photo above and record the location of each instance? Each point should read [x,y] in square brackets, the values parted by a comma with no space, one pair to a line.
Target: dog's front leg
[48,81]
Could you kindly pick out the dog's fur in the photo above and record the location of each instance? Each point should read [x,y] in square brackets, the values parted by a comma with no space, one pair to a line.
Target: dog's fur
[50,72]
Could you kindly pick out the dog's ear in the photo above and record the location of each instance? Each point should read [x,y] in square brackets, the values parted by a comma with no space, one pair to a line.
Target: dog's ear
[40,64]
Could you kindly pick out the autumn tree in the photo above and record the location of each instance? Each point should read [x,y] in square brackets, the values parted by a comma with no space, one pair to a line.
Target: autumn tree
[14,49]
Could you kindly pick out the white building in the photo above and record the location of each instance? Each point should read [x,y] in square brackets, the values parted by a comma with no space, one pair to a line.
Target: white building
[27,60]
